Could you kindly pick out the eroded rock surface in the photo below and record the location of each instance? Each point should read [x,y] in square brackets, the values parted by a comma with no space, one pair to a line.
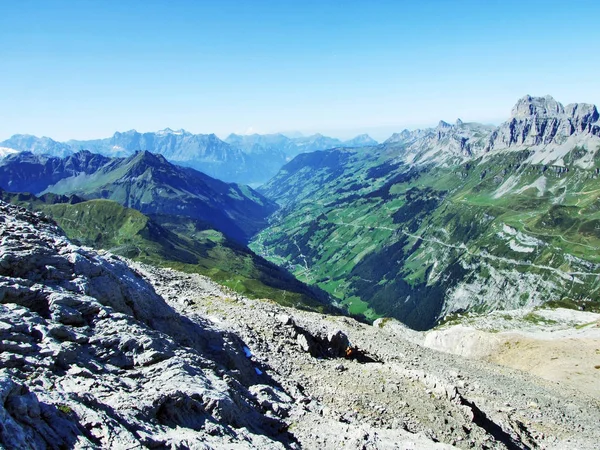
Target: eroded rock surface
[91,356]
[551,129]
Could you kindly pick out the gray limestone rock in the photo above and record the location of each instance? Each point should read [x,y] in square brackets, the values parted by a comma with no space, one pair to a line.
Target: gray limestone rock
[92,356]
[540,123]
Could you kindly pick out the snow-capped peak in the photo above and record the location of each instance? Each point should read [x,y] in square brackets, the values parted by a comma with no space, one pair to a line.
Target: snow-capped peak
[5,151]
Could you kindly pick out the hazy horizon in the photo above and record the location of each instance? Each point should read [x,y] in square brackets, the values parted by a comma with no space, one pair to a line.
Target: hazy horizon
[380,134]
[83,70]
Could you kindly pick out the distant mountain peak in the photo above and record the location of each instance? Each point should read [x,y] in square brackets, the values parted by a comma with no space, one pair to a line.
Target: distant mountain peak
[529,106]
[360,141]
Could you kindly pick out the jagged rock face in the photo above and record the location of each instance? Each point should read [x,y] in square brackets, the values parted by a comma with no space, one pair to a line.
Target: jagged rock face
[445,144]
[91,356]
[542,122]
[537,106]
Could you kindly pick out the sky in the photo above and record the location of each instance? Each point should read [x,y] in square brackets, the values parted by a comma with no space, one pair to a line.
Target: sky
[87,68]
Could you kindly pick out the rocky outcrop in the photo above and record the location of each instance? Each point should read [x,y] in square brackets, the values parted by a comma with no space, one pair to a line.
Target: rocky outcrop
[406,396]
[542,123]
[98,352]
[445,144]
[91,356]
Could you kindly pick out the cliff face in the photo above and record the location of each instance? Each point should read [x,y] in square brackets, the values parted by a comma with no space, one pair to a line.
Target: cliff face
[540,124]
[445,144]
[545,125]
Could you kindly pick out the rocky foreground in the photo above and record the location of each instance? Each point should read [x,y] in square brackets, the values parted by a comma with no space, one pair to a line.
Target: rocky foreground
[97,352]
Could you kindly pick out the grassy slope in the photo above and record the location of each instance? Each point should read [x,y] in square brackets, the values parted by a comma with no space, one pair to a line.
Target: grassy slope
[152,185]
[175,242]
[419,243]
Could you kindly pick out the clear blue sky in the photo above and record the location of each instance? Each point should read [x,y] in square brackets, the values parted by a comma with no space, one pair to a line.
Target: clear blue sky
[86,68]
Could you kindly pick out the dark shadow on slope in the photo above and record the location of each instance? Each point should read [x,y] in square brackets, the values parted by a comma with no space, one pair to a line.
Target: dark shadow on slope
[491,427]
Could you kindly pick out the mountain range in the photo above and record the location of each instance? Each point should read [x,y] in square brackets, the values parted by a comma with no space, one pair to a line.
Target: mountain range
[146,208]
[463,217]
[458,218]
[144,181]
[251,159]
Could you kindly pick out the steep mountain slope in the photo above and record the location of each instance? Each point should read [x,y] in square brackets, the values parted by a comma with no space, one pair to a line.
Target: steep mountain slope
[5,151]
[432,223]
[446,144]
[143,181]
[92,357]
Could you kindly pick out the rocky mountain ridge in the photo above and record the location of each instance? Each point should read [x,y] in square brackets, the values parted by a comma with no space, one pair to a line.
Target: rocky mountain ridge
[143,181]
[28,172]
[550,130]
[445,144]
[97,352]
[540,124]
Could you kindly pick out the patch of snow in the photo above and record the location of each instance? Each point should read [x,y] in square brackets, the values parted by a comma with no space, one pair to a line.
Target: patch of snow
[5,151]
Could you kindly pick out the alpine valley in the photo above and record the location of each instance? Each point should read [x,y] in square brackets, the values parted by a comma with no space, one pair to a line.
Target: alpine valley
[463,217]
[459,218]
[146,208]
